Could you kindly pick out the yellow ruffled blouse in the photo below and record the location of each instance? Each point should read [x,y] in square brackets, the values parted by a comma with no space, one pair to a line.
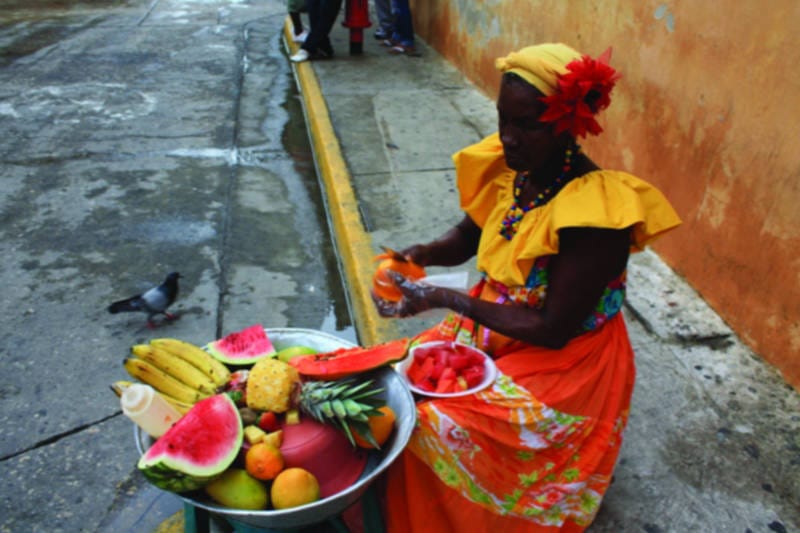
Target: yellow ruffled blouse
[600,199]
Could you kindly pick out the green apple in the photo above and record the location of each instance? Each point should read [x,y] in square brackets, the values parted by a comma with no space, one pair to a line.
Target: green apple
[293,351]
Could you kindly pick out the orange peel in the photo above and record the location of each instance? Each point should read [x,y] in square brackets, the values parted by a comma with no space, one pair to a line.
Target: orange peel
[383,285]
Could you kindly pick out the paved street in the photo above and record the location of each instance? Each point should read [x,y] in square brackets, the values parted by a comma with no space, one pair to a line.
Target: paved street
[139,137]
[145,136]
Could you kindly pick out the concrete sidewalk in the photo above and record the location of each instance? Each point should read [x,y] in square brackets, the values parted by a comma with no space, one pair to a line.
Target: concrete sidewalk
[713,442]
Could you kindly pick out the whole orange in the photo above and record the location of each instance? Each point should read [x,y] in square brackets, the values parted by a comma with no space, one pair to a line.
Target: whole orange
[380,426]
[383,285]
[263,461]
[294,487]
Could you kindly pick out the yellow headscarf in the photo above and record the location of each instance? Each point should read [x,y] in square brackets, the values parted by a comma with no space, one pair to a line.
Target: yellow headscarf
[539,65]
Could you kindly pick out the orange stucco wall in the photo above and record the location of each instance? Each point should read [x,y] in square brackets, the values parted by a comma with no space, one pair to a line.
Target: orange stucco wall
[708,110]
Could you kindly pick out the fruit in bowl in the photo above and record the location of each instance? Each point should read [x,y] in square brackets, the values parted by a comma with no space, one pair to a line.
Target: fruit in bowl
[444,368]
[237,489]
[368,386]
[323,441]
[324,451]
[294,487]
[197,449]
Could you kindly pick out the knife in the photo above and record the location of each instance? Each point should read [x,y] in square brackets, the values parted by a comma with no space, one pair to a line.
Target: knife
[397,256]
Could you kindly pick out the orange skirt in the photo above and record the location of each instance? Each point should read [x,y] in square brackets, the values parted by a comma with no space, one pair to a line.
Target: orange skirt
[534,452]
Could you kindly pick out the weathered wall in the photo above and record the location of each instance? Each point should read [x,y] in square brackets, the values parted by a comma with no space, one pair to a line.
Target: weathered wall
[708,110]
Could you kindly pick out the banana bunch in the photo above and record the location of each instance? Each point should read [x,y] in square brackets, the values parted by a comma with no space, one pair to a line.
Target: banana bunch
[180,371]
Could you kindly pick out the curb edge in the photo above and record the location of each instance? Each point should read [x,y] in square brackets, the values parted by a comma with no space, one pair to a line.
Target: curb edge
[353,243]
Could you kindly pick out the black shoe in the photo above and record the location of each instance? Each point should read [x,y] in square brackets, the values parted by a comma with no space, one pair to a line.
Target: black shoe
[323,52]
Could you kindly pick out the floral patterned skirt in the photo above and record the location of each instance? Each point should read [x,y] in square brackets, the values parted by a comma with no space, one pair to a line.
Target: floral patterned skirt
[534,452]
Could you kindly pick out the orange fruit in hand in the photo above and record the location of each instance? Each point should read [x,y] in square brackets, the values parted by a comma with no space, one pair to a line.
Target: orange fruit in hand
[383,285]
[293,487]
[380,426]
[263,461]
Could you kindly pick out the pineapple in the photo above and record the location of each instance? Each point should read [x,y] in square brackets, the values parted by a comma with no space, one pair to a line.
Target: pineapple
[273,385]
[344,403]
[270,384]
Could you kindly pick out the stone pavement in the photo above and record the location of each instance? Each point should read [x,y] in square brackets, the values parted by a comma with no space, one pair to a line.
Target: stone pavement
[139,137]
[713,442]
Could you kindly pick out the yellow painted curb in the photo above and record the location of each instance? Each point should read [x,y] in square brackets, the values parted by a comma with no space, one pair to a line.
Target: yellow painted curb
[173,524]
[353,243]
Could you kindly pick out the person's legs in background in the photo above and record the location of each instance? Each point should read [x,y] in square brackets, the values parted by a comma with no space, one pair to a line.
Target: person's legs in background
[328,15]
[308,48]
[383,10]
[322,14]
[295,7]
[403,36]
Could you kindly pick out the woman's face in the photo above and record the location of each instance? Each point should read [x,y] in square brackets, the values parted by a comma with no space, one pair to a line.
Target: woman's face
[528,144]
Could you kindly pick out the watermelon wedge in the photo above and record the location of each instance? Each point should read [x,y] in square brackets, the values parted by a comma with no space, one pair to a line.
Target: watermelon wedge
[245,347]
[197,448]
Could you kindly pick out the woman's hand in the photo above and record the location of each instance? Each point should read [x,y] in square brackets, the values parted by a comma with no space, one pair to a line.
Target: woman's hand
[417,297]
[417,253]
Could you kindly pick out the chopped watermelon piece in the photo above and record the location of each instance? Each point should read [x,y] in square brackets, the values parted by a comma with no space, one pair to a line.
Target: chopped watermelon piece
[474,375]
[445,385]
[425,384]
[414,371]
[442,355]
[427,368]
[459,360]
[448,373]
[420,354]
[438,368]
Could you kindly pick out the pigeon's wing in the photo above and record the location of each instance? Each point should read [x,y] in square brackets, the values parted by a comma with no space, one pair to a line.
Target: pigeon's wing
[134,303]
[155,299]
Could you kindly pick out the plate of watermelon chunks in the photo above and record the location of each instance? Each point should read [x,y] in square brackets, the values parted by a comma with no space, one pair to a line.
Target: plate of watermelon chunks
[445,369]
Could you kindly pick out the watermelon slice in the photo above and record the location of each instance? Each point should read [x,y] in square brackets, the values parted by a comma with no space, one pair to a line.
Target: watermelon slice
[245,347]
[197,448]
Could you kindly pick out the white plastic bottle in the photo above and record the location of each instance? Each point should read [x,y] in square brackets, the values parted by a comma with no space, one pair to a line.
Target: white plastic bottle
[148,409]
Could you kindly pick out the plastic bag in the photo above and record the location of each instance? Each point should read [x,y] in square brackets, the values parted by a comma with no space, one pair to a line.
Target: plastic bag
[448,280]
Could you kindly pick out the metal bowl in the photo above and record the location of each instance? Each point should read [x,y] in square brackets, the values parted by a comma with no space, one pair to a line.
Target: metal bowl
[397,396]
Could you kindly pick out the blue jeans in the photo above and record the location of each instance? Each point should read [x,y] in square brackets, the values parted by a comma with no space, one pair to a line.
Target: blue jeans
[383,10]
[403,27]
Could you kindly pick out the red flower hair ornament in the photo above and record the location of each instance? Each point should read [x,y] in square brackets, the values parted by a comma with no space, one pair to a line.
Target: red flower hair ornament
[583,91]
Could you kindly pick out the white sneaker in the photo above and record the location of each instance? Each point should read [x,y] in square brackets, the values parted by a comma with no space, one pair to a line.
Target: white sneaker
[300,56]
[300,37]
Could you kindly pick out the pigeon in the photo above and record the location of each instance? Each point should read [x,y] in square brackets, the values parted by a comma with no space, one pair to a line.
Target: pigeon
[154,301]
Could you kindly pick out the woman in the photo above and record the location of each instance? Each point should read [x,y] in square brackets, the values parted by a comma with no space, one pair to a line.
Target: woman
[552,233]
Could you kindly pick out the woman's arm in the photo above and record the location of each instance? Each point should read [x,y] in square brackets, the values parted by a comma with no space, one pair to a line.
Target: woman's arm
[456,246]
[588,259]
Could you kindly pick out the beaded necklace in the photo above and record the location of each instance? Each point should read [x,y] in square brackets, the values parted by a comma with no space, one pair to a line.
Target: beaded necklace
[511,222]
